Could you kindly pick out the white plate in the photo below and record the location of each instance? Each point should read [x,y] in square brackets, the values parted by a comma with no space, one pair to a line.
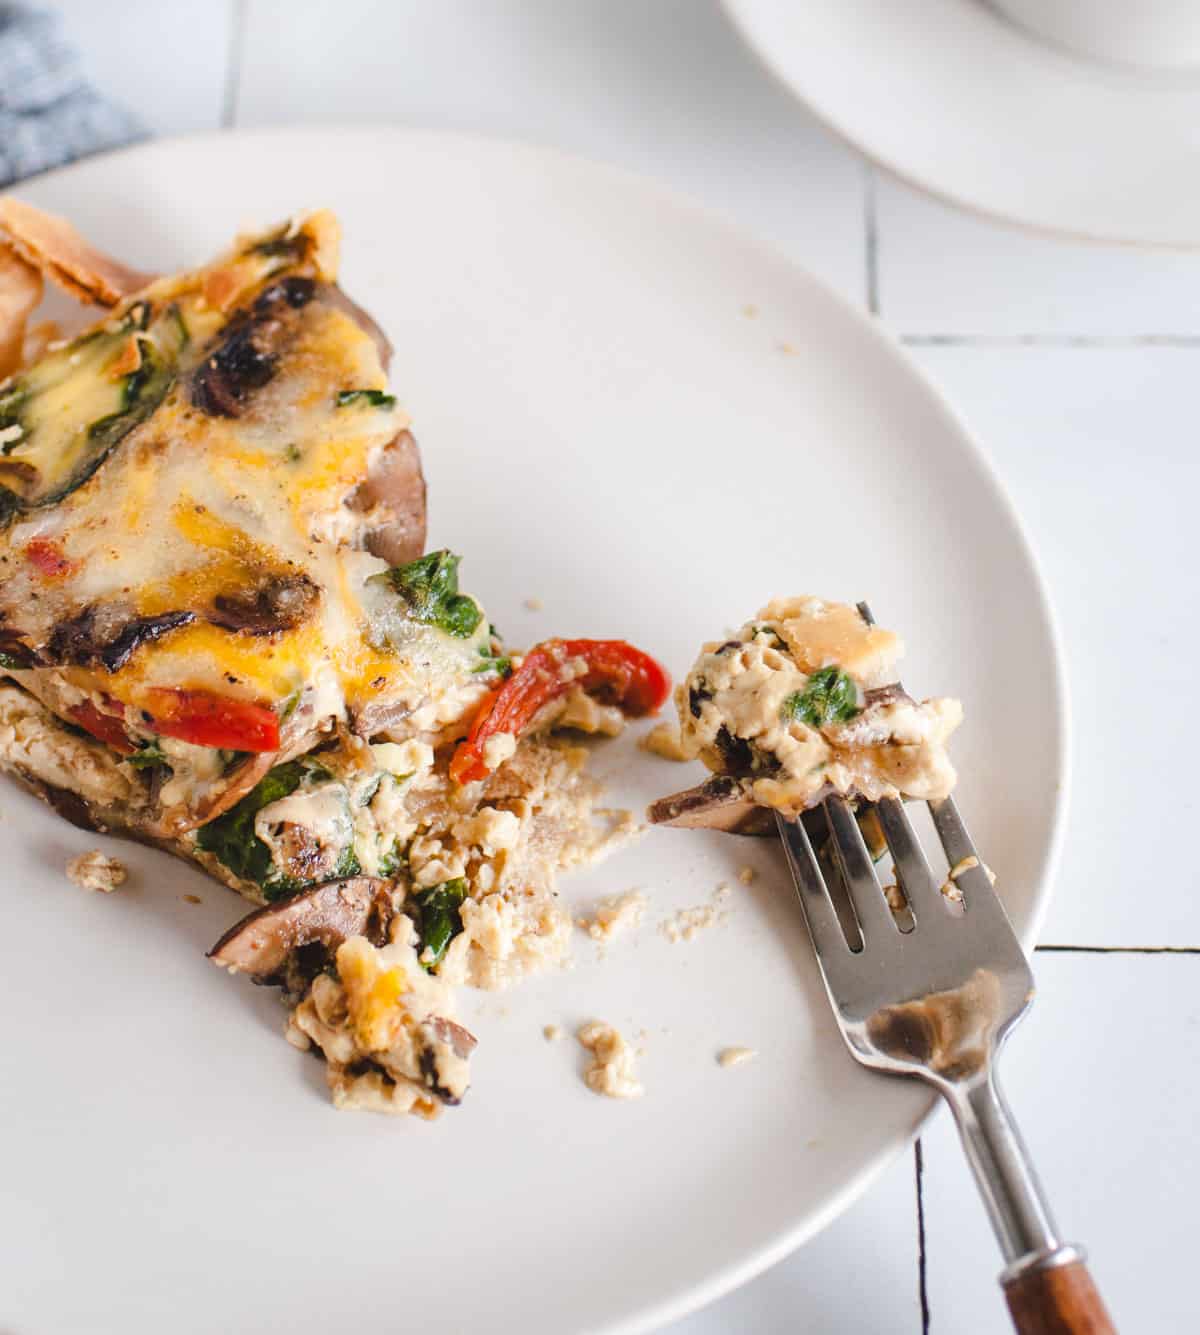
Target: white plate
[952,97]
[606,430]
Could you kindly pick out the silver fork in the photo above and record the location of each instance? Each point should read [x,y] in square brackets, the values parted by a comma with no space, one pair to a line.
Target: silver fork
[933,993]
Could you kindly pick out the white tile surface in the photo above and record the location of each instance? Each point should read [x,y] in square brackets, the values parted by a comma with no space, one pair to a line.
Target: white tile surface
[1097,446]
[165,62]
[663,88]
[943,271]
[821,1288]
[1102,1075]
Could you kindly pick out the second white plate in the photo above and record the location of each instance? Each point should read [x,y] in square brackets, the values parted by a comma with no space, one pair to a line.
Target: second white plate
[952,97]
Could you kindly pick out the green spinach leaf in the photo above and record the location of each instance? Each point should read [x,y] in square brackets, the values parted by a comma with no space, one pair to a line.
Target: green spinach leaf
[830,697]
[371,398]
[391,862]
[231,838]
[490,662]
[429,589]
[777,640]
[440,920]
[147,756]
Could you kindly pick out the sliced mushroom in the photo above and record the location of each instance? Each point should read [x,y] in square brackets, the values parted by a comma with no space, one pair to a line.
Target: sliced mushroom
[720,803]
[106,634]
[73,808]
[461,1040]
[446,1047]
[327,915]
[378,715]
[393,494]
[247,355]
[895,694]
[278,603]
[334,296]
[392,497]
[302,854]
[14,648]
[220,796]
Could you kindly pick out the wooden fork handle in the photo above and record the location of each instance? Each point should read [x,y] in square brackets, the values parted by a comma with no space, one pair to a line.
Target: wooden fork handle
[1050,1299]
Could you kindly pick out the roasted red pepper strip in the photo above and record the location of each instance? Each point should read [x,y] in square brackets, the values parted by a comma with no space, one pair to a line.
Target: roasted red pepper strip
[105,727]
[207,719]
[614,671]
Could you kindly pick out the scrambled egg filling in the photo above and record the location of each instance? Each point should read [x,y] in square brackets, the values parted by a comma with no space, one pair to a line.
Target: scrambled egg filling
[798,704]
[612,1071]
[476,905]
[384,1025]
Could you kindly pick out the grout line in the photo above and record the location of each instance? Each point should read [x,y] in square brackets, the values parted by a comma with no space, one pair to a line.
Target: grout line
[1122,950]
[922,1286]
[1051,340]
[233,62]
[871,238]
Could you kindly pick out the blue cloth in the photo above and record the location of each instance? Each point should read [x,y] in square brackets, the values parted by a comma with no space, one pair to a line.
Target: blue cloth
[48,113]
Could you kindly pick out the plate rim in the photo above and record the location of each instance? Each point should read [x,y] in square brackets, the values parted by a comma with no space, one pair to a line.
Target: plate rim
[690,1298]
[737,11]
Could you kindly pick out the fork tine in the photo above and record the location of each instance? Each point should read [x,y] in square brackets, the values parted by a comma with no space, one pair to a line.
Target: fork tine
[916,877]
[816,828]
[979,899]
[952,831]
[823,925]
[870,906]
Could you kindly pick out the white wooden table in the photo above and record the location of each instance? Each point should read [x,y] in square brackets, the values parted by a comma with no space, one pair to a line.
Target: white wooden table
[1079,369]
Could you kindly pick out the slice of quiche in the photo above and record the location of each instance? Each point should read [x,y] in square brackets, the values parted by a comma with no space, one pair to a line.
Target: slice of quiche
[219,633]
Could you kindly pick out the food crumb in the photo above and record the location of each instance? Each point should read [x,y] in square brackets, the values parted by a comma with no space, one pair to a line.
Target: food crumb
[498,748]
[297,1037]
[688,923]
[613,915]
[192,899]
[895,897]
[950,885]
[611,1071]
[663,740]
[789,349]
[552,1032]
[746,875]
[750,312]
[735,1056]
[94,871]
[533,604]
[622,825]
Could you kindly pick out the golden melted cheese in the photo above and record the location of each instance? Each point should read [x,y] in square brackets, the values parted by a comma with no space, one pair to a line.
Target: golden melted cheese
[190,506]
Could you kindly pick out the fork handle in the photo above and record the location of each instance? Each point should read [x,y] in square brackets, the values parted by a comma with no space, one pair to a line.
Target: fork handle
[1047,1285]
[1054,1295]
